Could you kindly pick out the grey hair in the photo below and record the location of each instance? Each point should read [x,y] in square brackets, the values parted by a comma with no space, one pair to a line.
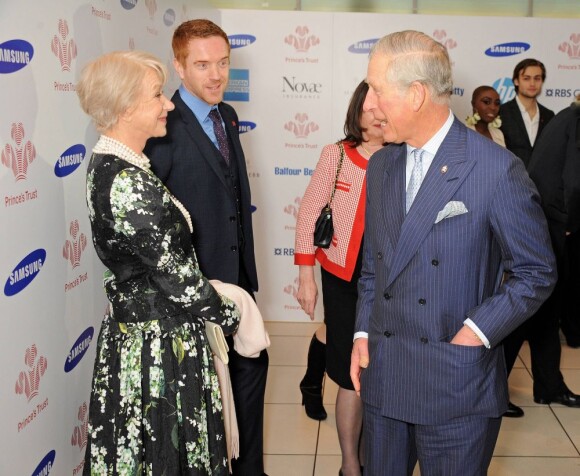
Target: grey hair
[415,56]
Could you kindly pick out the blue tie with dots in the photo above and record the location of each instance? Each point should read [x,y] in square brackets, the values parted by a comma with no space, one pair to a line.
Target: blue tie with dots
[220,134]
[416,179]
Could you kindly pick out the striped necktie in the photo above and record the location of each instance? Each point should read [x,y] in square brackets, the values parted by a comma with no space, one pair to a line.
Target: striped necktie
[416,179]
[220,134]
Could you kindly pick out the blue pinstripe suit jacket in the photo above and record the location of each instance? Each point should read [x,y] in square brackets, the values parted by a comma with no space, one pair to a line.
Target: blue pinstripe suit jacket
[421,280]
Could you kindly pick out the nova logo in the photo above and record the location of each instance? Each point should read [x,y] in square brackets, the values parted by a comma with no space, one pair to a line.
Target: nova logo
[572,47]
[301,127]
[507,49]
[79,435]
[505,89]
[73,249]
[15,55]
[363,46]
[64,49]
[169,17]
[128,4]
[17,158]
[246,126]
[25,272]
[302,41]
[441,37]
[29,379]
[69,160]
[45,466]
[239,41]
[151,7]
[299,87]
[79,349]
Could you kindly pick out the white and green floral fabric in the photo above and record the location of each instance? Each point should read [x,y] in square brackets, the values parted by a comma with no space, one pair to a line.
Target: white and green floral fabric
[155,405]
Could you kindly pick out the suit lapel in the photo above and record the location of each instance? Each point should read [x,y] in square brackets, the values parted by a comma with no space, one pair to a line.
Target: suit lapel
[519,121]
[447,172]
[394,197]
[199,137]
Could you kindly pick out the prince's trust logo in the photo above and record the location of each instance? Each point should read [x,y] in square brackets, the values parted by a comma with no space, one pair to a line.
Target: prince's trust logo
[572,49]
[79,434]
[64,49]
[301,39]
[29,380]
[441,37]
[18,157]
[73,248]
[301,126]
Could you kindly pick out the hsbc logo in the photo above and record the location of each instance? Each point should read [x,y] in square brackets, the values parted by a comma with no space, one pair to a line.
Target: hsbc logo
[15,55]
[79,349]
[19,155]
[70,160]
[63,48]
[25,272]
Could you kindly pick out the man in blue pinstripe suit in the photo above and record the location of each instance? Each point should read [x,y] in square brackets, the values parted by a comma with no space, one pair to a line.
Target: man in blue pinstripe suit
[448,212]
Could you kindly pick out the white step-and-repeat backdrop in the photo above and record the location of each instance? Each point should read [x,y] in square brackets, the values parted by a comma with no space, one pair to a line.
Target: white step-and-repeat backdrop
[291,79]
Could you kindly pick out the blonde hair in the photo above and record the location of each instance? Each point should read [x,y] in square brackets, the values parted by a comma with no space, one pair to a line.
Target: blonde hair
[415,56]
[111,84]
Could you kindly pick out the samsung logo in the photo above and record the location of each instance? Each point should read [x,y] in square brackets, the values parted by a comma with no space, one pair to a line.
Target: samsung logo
[79,349]
[239,41]
[45,466]
[169,17]
[69,160]
[507,49]
[253,208]
[15,55]
[246,126]
[128,4]
[25,272]
[363,46]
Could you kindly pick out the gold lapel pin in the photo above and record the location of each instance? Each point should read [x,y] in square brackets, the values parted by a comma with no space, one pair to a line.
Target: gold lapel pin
[444,169]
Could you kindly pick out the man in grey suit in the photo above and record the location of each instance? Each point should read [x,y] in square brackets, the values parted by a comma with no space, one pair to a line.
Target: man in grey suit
[448,211]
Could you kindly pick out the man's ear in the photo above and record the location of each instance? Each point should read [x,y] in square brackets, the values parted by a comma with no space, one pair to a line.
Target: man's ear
[179,68]
[418,95]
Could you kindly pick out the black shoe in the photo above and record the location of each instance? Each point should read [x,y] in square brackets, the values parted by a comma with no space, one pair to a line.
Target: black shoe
[312,401]
[567,398]
[513,411]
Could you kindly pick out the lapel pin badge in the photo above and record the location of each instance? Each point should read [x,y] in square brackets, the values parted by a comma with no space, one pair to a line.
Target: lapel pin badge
[444,169]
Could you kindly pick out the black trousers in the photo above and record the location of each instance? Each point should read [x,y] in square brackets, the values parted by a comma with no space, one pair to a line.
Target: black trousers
[542,331]
[248,376]
[570,319]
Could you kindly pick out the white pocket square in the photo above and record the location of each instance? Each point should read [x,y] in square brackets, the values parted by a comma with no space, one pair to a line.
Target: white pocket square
[450,210]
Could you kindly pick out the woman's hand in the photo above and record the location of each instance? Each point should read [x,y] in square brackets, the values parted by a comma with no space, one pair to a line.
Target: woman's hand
[307,290]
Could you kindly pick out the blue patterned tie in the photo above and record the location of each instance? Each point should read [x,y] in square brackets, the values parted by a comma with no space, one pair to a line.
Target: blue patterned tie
[416,178]
[220,134]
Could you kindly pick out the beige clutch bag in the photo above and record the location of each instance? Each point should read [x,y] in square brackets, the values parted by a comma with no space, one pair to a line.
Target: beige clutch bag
[217,341]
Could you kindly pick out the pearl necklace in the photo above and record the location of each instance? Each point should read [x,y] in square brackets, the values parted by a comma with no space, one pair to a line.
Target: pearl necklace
[108,145]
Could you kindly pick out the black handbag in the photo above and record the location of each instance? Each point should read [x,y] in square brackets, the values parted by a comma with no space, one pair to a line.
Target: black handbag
[324,228]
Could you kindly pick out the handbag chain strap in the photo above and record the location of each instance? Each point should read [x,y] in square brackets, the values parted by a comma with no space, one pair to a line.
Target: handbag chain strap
[341,147]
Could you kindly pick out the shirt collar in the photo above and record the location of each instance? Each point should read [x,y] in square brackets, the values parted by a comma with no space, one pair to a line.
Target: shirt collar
[433,144]
[198,106]
[523,108]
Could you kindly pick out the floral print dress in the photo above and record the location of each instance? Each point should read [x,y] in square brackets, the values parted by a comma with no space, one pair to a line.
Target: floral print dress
[155,406]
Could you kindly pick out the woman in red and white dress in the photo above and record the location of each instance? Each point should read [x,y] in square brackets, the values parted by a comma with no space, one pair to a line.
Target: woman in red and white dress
[331,345]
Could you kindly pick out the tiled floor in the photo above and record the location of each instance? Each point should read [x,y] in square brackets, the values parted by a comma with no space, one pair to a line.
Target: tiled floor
[545,442]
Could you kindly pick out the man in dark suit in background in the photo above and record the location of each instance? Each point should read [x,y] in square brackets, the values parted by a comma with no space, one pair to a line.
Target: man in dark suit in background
[448,211]
[523,118]
[202,163]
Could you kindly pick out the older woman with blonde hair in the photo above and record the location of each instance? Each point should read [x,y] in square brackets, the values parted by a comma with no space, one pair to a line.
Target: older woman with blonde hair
[155,405]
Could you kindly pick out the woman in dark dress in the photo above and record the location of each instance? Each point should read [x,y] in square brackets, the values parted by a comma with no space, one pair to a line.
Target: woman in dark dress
[155,405]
